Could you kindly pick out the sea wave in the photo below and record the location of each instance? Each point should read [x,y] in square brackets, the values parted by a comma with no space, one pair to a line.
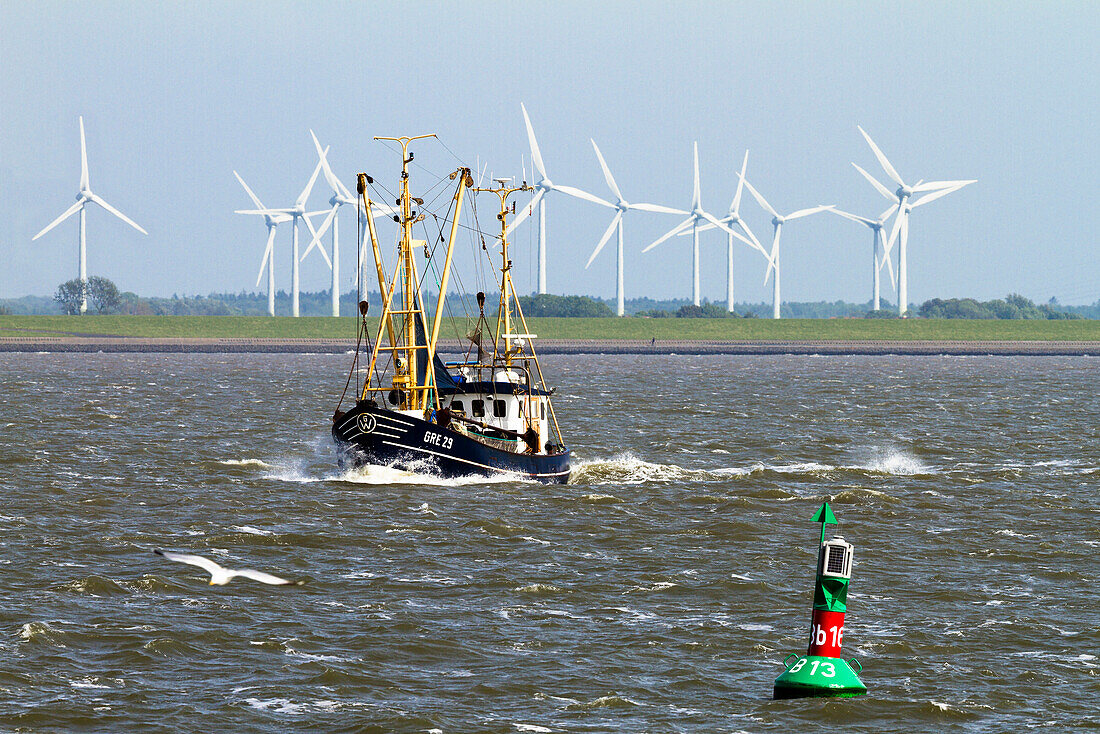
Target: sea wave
[628,468]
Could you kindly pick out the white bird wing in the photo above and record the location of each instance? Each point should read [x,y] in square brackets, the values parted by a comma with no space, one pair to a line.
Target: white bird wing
[206,564]
[264,578]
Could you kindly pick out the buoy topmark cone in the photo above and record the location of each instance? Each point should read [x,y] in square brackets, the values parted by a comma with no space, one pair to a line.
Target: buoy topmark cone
[822,671]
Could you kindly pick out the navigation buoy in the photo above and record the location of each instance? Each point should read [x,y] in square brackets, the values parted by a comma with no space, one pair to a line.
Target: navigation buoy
[822,671]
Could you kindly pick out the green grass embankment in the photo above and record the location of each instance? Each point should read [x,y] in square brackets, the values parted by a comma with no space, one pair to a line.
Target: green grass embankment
[262,327]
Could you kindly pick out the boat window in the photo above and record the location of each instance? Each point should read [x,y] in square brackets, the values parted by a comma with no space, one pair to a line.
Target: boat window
[500,408]
[543,409]
[477,407]
[457,405]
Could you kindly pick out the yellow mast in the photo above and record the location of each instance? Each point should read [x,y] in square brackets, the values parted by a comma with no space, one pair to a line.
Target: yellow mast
[379,266]
[404,350]
[405,374]
[505,313]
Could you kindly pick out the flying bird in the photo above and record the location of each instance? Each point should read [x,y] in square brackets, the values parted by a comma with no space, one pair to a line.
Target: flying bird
[220,576]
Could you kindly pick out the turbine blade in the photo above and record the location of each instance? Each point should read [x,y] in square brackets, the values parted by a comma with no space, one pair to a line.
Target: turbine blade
[301,200]
[64,215]
[656,208]
[265,212]
[933,185]
[700,228]
[881,158]
[756,242]
[890,270]
[606,236]
[116,212]
[807,212]
[582,195]
[774,256]
[760,199]
[722,225]
[675,230]
[886,214]
[316,241]
[607,172]
[736,205]
[935,195]
[874,182]
[316,238]
[855,217]
[330,177]
[893,234]
[267,254]
[527,211]
[83,158]
[536,155]
[695,202]
[255,199]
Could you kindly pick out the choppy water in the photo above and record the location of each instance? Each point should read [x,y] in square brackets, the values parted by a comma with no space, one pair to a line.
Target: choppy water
[658,591]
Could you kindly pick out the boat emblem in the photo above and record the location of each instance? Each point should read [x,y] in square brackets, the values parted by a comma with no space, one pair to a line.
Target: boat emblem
[366,422]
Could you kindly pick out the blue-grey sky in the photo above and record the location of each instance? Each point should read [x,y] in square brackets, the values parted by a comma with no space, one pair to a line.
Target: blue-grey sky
[175,96]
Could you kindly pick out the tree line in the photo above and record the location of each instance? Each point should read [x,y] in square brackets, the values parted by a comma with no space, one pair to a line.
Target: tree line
[104,297]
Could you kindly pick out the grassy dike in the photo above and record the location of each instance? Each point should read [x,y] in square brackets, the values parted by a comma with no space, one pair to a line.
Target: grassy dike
[261,327]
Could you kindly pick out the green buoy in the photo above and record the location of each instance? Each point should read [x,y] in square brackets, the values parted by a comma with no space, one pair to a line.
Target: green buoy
[822,672]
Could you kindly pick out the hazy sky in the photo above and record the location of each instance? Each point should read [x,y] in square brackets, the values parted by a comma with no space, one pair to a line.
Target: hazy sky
[175,96]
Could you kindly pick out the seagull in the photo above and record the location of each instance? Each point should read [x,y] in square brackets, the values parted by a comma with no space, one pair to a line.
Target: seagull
[220,576]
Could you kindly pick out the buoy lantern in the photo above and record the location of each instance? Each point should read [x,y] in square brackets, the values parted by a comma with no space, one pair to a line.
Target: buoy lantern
[822,671]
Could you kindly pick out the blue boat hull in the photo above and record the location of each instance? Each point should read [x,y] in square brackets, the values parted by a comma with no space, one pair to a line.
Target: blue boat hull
[369,435]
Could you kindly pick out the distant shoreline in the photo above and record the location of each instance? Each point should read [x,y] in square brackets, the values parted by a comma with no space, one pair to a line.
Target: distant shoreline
[170,345]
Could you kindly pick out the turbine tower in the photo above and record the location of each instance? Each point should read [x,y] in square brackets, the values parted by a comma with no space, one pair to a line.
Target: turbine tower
[296,212]
[696,217]
[879,256]
[272,221]
[340,196]
[543,186]
[621,207]
[778,221]
[83,196]
[733,217]
[904,195]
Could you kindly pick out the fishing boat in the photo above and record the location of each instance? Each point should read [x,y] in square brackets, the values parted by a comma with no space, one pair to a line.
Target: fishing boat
[488,413]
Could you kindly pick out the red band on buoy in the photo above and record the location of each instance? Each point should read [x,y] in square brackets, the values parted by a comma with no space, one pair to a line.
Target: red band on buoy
[826,633]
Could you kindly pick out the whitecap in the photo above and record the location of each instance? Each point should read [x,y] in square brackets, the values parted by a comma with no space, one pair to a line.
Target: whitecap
[1013,534]
[246,462]
[277,705]
[897,463]
[251,530]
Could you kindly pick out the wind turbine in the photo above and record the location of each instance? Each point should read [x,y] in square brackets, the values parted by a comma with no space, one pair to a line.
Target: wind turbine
[296,212]
[778,221]
[543,186]
[696,217]
[83,196]
[734,217]
[904,195]
[879,256]
[272,221]
[621,206]
[340,196]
